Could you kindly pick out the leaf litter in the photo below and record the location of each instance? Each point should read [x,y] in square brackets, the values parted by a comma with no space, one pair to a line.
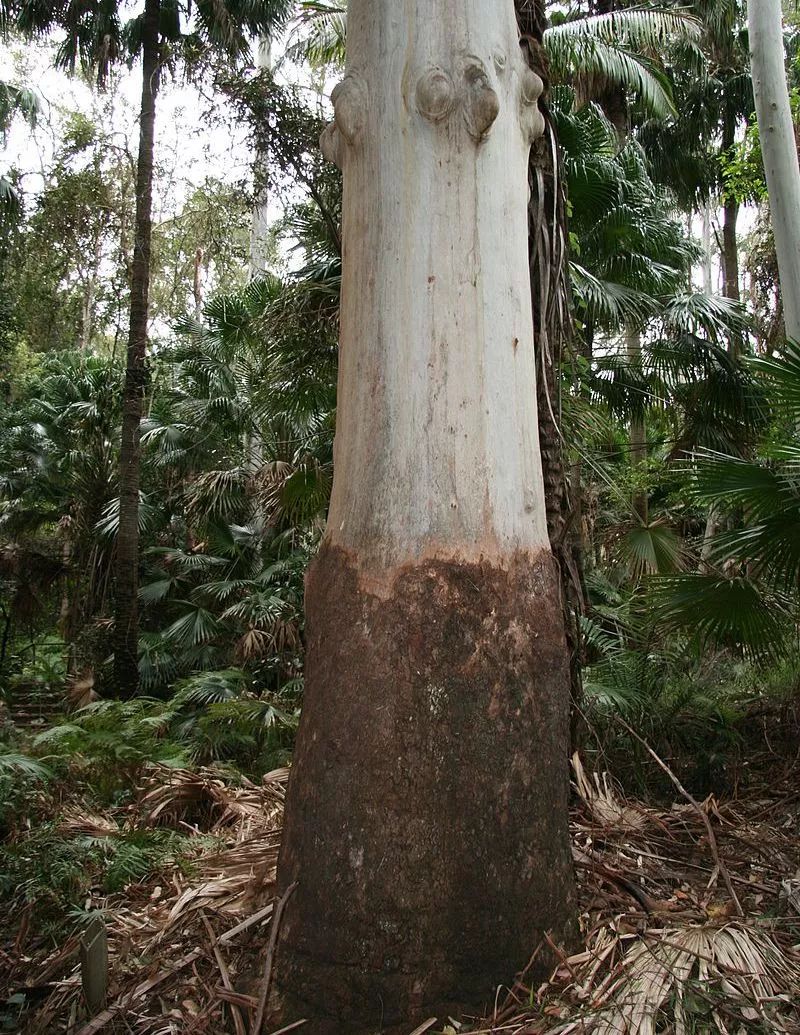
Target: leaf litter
[662,947]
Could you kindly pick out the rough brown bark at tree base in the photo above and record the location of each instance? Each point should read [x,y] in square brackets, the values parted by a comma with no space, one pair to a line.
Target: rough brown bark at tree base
[426,820]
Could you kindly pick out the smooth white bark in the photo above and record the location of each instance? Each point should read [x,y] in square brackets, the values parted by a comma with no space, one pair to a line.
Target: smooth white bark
[707,255]
[779,149]
[259,228]
[437,451]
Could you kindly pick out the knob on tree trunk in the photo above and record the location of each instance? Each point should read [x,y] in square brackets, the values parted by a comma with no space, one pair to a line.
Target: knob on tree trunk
[426,823]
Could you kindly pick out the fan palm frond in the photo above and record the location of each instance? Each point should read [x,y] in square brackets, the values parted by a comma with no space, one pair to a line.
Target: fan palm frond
[728,611]
[320,34]
[651,549]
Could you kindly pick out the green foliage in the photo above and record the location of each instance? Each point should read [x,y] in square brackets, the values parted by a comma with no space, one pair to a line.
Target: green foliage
[743,166]
[55,867]
[14,100]
[112,741]
[95,38]
[651,549]
[252,733]
[623,48]
[631,252]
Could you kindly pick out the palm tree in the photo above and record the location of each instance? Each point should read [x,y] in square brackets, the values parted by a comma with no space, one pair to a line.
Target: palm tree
[58,472]
[223,581]
[95,38]
[622,51]
[748,594]
[715,98]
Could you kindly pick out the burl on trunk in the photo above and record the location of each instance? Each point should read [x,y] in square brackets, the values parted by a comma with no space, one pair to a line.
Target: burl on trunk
[426,819]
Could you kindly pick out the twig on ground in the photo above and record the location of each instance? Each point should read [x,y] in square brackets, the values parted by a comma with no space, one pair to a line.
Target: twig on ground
[425,1026]
[290,1027]
[258,1023]
[238,1021]
[712,840]
[101,1020]
[230,935]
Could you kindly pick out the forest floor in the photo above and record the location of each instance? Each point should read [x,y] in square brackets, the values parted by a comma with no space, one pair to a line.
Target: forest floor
[690,917]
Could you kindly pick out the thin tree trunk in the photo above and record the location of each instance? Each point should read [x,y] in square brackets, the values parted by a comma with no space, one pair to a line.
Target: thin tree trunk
[427,837]
[4,641]
[126,673]
[730,250]
[548,246]
[707,256]
[730,237]
[197,286]
[779,149]
[259,239]
[87,314]
[638,439]
[259,230]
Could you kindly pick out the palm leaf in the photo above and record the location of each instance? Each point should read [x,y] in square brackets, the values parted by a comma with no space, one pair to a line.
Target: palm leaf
[652,549]
[727,611]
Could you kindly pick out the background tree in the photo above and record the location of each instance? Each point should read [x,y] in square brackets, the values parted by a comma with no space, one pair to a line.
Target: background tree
[95,39]
[779,149]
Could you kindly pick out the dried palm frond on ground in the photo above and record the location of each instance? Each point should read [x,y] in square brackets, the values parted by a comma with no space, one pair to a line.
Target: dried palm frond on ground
[177,942]
[663,950]
[170,794]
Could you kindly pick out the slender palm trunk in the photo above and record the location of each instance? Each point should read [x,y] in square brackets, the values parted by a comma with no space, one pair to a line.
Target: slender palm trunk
[779,148]
[87,308]
[730,236]
[707,257]
[552,325]
[197,285]
[426,819]
[638,439]
[126,673]
[730,250]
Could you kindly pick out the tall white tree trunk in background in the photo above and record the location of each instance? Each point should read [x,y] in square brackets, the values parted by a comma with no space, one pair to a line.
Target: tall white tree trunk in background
[707,255]
[426,820]
[779,149]
[259,229]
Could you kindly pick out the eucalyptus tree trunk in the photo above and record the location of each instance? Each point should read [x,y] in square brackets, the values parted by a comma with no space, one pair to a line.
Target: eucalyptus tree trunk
[426,820]
[126,615]
[779,149]
[259,228]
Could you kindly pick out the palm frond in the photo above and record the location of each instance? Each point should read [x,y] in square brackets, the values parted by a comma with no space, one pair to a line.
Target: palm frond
[624,48]
[727,611]
[652,549]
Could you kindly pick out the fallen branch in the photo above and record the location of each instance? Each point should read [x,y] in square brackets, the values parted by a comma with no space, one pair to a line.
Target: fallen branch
[124,1002]
[238,1021]
[258,1023]
[425,1026]
[230,935]
[712,840]
[289,1027]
